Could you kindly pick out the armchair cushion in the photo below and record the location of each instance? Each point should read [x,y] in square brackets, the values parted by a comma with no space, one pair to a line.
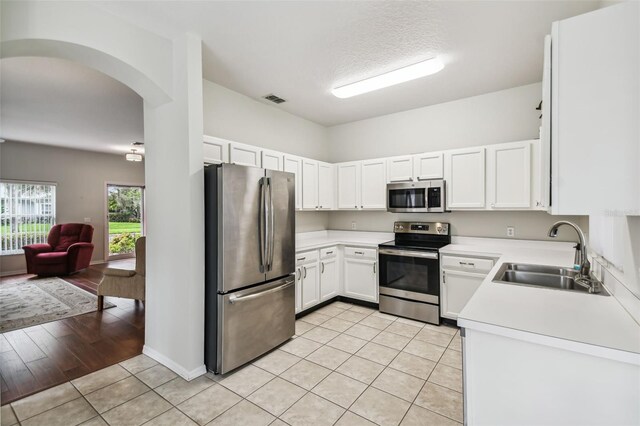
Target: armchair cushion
[114,272]
[51,258]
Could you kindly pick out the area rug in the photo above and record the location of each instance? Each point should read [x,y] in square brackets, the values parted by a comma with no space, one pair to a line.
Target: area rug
[37,301]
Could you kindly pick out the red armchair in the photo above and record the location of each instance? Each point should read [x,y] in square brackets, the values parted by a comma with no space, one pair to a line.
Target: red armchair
[68,250]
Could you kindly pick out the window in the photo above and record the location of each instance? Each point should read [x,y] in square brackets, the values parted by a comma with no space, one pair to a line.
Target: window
[27,213]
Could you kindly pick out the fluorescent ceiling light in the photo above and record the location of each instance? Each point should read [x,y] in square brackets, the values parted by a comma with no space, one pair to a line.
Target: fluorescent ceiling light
[421,69]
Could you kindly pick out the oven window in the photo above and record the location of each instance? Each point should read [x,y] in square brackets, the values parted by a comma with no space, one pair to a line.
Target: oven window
[407,198]
[415,274]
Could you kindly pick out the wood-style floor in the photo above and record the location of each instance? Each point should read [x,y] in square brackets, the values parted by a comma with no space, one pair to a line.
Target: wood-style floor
[36,358]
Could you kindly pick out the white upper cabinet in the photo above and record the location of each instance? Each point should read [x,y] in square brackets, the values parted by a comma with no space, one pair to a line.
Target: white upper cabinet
[509,175]
[428,166]
[464,171]
[244,155]
[595,105]
[309,184]
[326,186]
[272,160]
[349,175]
[293,164]
[215,150]
[374,184]
[400,169]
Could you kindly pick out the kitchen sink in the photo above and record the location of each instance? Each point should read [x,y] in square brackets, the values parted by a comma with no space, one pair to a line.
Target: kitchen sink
[553,277]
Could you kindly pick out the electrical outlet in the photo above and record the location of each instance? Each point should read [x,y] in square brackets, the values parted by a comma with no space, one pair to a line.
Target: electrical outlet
[353,226]
[511,231]
[87,220]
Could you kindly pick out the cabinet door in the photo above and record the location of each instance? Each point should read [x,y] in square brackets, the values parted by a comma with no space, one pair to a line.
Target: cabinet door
[509,175]
[360,279]
[349,185]
[456,290]
[272,160]
[428,166]
[215,150]
[400,169]
[326,186]
[244,155]
[293,164]
[374,184]
[309,184]
[329,284]
[310,285]
[298,289]
[465,177]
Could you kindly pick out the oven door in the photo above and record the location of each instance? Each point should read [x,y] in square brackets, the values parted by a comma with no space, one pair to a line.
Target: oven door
[410,274]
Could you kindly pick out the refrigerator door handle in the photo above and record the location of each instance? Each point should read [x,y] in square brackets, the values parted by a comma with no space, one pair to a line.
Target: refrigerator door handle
[235,299]
[272,231]
[262,226]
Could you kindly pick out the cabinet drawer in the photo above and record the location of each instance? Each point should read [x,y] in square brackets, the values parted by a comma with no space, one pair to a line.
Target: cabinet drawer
[306,257]
[328,252]
[469,264]
[361,253]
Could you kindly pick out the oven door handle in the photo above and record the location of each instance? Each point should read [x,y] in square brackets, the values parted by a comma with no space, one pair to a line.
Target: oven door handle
[407,253]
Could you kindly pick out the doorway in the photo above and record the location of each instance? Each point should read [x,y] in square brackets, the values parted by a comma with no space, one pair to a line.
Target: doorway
[125,219]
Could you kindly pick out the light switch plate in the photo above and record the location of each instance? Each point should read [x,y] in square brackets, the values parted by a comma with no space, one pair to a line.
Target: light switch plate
[87,220]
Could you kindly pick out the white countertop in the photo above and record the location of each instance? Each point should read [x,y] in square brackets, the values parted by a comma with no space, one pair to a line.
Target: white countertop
[587,323]
[320,239]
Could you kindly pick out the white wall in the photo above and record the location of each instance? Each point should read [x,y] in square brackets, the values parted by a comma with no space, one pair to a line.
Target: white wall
[504,116]
[81,177]
[231,115]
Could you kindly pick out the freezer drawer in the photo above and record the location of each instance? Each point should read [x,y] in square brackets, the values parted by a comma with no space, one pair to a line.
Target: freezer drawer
[254,321]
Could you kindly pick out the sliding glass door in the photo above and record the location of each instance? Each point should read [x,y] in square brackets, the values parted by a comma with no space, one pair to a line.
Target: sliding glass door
[125,219]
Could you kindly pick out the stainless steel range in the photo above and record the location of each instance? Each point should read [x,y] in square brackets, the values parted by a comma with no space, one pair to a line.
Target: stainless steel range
[409,278]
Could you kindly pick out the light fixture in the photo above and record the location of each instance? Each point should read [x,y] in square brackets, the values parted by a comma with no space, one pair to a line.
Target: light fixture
[408,73]
[133,156]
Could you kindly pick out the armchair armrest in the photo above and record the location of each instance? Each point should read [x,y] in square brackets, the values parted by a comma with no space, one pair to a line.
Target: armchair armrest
[79,256]
[34,249]
[114,272]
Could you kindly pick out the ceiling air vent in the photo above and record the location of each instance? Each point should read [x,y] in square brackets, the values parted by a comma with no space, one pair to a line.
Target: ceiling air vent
[273,98]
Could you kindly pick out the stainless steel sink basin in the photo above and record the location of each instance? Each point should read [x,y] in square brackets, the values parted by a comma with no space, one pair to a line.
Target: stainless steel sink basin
[553,277]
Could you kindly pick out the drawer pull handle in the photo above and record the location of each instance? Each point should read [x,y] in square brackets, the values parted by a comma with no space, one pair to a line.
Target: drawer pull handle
[359,252]
[329,252]
[468,263]
[301,258]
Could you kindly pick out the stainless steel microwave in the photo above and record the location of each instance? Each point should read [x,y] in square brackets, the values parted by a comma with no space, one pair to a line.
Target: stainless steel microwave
[427,196]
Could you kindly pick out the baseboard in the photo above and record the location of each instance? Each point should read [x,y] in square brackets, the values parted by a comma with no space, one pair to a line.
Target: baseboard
[172,365]
[24,271]
[337,299]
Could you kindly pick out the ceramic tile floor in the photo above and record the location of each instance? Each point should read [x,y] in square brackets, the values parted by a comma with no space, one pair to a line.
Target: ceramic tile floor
[347,365]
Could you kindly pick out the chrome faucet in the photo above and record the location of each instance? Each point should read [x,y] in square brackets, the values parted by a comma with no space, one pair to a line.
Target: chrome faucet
[580,259]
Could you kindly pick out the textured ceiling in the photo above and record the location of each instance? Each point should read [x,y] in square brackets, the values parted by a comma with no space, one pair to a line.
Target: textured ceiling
[301,50]
[60,103]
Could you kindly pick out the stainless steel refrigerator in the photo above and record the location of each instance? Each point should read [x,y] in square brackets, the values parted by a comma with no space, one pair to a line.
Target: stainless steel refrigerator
[249,263]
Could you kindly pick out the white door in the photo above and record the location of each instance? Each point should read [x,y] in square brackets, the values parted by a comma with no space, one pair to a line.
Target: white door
[309,184]
[310,285]
[465,176]
[428,166]
[349,185]
[456,290]
[244,155]
[293,164]
[326,186]
[329,284]
[215,150]
[400,169]
[272,160]
[374,184]
[360,279]
[509,175]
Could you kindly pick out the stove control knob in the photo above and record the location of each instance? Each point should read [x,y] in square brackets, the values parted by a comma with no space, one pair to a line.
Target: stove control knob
[439,229]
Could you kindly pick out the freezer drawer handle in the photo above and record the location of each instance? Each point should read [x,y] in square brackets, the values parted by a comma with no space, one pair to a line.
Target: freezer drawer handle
[234,299]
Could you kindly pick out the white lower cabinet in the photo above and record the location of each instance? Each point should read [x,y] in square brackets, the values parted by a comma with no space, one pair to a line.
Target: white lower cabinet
[461,277]
[310,285]
[329,282]
[360,274]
